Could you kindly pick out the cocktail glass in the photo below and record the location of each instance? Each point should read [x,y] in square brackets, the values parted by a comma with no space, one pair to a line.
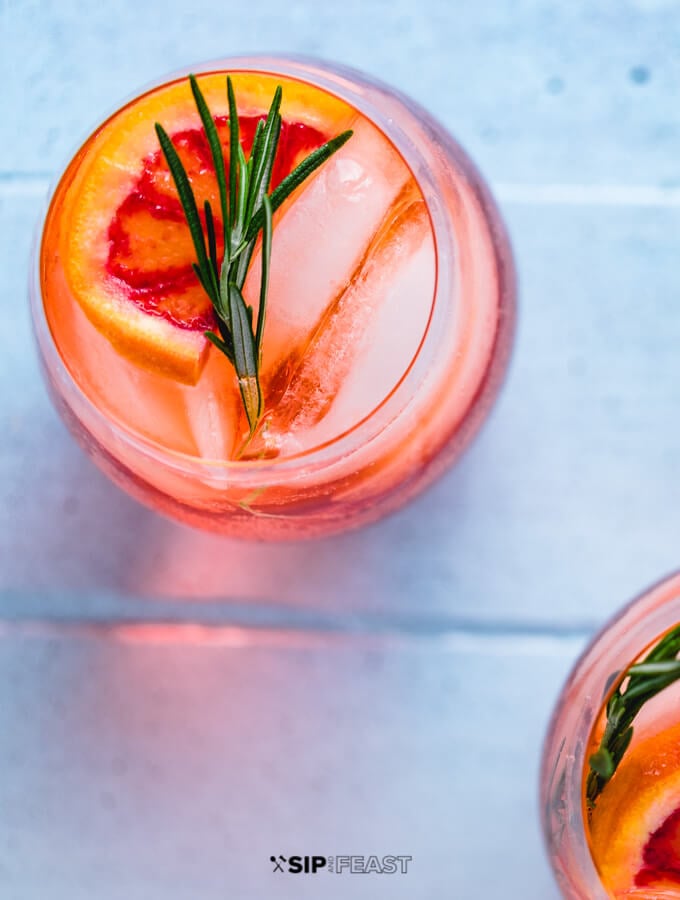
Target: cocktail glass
[625,842]
[400,363]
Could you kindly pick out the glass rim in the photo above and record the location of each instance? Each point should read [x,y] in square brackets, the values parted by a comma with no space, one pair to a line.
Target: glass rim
[338,80]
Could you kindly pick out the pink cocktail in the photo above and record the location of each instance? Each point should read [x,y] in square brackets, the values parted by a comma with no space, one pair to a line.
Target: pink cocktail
[389,314]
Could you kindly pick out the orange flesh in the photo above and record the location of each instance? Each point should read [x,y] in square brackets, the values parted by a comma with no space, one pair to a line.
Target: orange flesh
[150,246]
[661,855]
[635,826]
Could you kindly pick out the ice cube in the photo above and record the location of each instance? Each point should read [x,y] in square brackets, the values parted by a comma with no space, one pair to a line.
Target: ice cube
[213,409]
[368,338]
[142,401]
[199,421]
[319,242]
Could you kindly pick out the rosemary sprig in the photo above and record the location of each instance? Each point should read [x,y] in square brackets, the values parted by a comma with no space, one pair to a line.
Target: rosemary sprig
[644,680]
[246,210]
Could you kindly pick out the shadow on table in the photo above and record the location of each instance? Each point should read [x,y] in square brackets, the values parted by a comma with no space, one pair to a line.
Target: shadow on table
[81,535]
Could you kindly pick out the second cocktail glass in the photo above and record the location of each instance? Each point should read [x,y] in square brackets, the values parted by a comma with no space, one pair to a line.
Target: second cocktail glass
[610,781]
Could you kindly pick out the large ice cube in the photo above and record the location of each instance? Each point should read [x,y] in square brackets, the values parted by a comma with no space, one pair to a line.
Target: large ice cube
[319,242]
[367,339]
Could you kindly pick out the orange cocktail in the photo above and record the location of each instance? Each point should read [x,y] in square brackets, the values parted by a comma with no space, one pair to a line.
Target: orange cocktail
[611,775]
[388,313]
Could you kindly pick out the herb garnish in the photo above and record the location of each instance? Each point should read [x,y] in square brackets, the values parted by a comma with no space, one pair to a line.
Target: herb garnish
[644,680]
[246,208]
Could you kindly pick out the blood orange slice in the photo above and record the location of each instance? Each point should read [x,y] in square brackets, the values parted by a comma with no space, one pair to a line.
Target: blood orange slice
[117,225]
[635,827]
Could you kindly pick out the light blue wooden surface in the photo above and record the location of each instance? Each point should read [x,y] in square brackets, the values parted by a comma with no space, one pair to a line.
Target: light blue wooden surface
[385,691]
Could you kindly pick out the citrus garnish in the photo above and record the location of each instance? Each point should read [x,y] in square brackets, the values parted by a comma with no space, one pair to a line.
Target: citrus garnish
[127,252]
[635,826]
